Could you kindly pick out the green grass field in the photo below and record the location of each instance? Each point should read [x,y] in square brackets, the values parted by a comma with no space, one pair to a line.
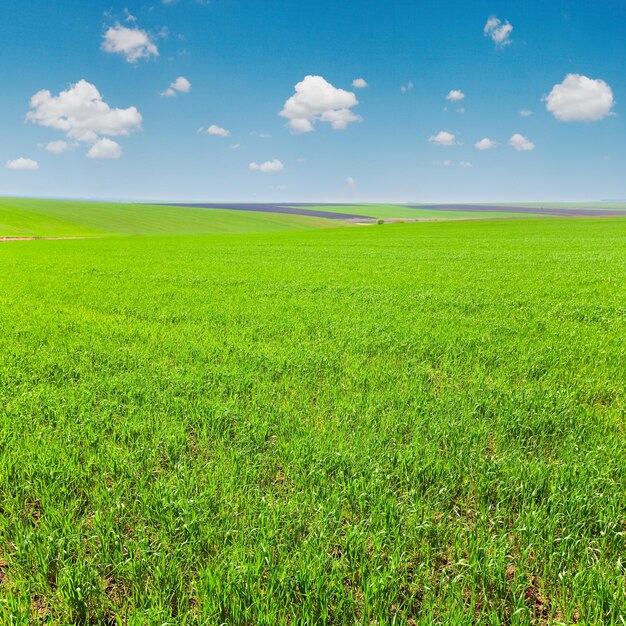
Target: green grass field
[419,423]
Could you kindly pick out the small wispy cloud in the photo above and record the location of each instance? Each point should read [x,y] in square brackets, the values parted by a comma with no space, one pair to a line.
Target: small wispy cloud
[22,164]
[443,138]
[132,43]
[268,167]
[498,31]
[521,143]
[485,144]
[180,85]
[217,131]
[57,147]
[455,95]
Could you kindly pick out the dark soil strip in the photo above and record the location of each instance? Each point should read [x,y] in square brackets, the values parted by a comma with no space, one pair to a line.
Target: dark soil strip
[275,208]
[490,208]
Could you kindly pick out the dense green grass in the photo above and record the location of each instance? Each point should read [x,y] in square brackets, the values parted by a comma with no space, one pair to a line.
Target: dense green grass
[27,217]
[405,424]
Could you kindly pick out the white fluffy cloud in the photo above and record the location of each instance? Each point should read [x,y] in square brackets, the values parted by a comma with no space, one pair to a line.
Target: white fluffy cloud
[407,87]
[57,147]
[180,85]
[316,100]
[500,32]
[446,163]
[105,148]
[132,43]
[268,167]
[525,112]
[359,83]
[217,131]
[443,138]
[81,113]
[580,99]
[521,143]
[22,164]
[485,144]
[455,95]
[465,164]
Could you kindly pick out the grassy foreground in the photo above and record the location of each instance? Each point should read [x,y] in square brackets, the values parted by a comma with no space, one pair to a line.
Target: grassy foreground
[404,424]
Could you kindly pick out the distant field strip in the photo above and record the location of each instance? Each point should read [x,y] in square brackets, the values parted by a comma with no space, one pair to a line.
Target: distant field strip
[279,208]
[367,212]
[361,212]
[556,211]
[43,218]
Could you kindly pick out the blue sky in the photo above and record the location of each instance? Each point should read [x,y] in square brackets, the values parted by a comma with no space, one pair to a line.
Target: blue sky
[119,136]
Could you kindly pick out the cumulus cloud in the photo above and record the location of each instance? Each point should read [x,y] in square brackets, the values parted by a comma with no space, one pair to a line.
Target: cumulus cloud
[235,146]
[350,181]
[446,163]
[485,144]
[580,99]
[359,83]
[443,138]
[316,100]
[407,87]
[280,188]
[81,113]
[500,32]
[105,148]
[455,95]
[180,85]
[217,131]
[521,143]
[465,164]
[22,164]
[57,147]
[268,167]
[525,112]
[132,43]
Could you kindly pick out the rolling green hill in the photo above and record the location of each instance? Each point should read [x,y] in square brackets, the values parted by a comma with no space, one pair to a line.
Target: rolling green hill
[67,218]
